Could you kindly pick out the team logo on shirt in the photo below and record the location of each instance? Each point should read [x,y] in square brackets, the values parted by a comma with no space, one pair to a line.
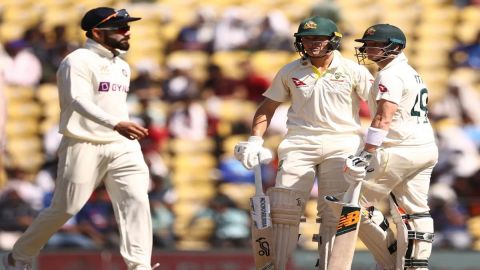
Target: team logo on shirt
[124,72]
[298,82]
[382,88]
[338,77]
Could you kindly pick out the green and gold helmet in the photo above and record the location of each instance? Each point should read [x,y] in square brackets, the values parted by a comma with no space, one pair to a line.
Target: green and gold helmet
[317,26]
[393,39]
[384,33]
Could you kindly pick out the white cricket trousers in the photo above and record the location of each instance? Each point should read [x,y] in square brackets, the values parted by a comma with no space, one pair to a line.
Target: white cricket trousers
[82,167]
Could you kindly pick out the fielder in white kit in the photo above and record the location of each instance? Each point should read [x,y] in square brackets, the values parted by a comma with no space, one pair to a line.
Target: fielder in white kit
[99,144]
[325,90]
[401,146]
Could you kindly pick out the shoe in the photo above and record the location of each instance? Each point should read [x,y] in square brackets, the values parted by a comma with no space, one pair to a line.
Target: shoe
[18,264]
[155,266]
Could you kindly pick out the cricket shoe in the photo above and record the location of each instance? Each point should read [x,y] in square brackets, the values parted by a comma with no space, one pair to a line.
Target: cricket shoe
[18,265]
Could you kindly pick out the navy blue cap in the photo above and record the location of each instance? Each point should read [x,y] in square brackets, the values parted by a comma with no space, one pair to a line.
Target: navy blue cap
[105,17]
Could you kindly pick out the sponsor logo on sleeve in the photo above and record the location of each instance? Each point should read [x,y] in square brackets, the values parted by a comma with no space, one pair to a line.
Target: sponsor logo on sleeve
[298,82]
[382,88]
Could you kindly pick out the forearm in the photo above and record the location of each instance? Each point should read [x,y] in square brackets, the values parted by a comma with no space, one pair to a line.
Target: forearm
[91,111]
[380,125]
[263,116]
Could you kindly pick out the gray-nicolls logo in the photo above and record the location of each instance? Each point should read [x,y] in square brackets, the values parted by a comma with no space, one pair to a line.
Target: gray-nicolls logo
[264,246]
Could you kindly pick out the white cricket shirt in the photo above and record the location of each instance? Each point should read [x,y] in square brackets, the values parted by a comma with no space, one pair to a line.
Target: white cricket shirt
[399,83]
[93,86]
[325,102]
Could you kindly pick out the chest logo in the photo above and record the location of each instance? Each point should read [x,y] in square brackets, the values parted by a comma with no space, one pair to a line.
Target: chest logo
[298,82]
[124,72]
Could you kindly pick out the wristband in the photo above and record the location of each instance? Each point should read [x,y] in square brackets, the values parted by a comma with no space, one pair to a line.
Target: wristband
[375,136]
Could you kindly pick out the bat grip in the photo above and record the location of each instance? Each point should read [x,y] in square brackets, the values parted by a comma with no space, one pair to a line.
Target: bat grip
[353,194]
[258,179]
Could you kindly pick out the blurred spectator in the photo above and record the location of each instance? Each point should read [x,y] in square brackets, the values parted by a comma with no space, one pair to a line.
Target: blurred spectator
[97,221]
[327,9]
[461,103]
[145,85]
[3,121]
[56,49]
[450,217]
[254,82]
[179,85]
[273,33]
[188,120]
[458,155]
[20,181]
[152,145]
[21,66]
[232,31]
[221,86]
[199,34]
[467,55]
[15,216]
[69,236]
[162,199]
[232,225]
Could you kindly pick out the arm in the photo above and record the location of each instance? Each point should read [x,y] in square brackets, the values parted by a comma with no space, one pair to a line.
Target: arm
[263,116]
[381,121]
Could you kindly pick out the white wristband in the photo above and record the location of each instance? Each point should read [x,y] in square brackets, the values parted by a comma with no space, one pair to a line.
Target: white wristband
[375,136]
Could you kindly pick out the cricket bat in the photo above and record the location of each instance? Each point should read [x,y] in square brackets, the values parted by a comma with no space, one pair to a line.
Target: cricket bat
[262,229]
[343,248]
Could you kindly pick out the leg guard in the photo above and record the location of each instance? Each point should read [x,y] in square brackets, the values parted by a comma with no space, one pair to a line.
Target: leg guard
[287,208]
[414,237]
[329,212]
[376,234]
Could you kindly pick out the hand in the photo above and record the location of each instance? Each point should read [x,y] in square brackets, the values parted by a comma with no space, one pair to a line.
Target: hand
[131,130]
[355,167]
[251,152]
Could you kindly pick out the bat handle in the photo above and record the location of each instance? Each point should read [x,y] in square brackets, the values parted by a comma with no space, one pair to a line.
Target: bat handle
[258,179]
[353,193]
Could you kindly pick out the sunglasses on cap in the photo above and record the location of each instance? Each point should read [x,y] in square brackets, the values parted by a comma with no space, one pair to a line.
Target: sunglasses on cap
[121,13]
[119,30]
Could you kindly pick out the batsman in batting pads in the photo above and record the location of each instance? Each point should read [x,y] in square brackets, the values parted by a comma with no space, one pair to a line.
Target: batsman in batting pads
[324,91]
[402,143]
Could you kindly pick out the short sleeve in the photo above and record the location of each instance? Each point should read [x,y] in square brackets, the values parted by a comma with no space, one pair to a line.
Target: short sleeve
[389,87]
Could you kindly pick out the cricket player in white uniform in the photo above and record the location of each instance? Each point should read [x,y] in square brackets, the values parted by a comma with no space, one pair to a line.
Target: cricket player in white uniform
[99,144]
[401,145]
[325,90]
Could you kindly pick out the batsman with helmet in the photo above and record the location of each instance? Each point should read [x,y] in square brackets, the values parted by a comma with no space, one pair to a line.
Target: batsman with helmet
[99,144]
[401,142]
[325,90]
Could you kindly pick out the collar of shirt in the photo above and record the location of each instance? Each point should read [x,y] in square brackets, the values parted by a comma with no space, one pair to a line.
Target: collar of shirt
[333,65]
[100,49]
[399,59]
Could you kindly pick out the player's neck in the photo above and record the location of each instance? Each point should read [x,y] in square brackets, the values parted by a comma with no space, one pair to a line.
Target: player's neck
[322,63]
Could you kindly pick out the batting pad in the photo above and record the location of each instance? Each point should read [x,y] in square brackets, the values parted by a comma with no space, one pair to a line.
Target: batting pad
[379,238]
[287,208]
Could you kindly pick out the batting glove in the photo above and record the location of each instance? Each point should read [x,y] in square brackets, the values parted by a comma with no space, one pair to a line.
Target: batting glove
[252,153]
[354,170]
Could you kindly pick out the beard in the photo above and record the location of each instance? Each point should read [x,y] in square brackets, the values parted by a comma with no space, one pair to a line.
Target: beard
[117,44]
